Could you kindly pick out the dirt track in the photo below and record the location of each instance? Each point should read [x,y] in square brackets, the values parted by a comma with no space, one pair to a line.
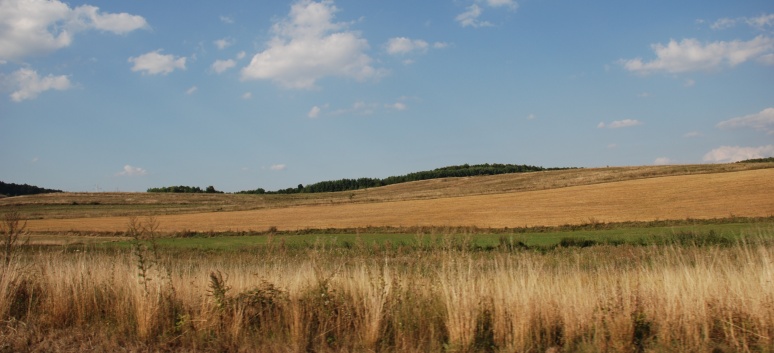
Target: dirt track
[746,193]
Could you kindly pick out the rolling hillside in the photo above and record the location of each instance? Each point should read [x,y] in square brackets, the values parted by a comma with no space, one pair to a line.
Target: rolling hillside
[514,200]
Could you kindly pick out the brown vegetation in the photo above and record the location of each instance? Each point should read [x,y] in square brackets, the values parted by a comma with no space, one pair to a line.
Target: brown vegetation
[741,193]
[387,298]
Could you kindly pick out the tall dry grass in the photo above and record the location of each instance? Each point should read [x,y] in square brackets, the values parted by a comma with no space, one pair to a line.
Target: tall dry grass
[596,299]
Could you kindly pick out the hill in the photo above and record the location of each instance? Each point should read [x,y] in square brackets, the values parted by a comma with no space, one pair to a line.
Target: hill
[509,200]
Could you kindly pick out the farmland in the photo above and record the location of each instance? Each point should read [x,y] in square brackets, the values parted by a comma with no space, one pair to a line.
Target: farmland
[634,259]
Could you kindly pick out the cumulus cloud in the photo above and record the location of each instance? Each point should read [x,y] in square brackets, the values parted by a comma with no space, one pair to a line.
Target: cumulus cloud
[220,66]
[762,121]
[470,17]
[617,124]
[692,55]
[36,27]
[278,167]
[663,161]
[154,63]
[132,171]
[730,154]
[403,45]
[308,46]
[28,84]
[191,90]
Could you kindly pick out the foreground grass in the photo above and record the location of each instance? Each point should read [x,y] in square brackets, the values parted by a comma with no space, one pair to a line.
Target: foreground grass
[444,297]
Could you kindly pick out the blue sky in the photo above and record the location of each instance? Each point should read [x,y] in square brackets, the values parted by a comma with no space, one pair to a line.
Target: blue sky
[127,95]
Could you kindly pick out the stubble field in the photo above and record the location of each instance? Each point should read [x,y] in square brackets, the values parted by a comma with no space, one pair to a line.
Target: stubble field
[697,280]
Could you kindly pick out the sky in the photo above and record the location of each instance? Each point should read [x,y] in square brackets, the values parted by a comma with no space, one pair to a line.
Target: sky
[128,95]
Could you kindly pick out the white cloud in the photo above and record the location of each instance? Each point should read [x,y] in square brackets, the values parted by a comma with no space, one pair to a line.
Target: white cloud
[220,66]
[729,154]
[531,116]
[36,27]
[132,171]
[154,63]
[663,161]
[241,55]
[307,46]
[357,108]
[469,18]
[692,134]
[760,22]
[314,112]
[29,84]
[247,95]
[691,55]
[767,59]
[400,106]
[403,45]
[226,20]
[689,83]
[612,146]
[278,167]
[511,4]
[762,121]
[191,90]
[619,124]
[224,43]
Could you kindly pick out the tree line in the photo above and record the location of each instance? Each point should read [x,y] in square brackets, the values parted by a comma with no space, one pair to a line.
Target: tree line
[182,189]
[464,170]
[11,189]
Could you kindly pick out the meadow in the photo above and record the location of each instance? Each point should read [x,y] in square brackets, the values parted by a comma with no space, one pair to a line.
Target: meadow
[585,279]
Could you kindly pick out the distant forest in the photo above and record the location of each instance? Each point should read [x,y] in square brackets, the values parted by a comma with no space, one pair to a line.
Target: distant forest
[11,189]
[758,160]
[464,170]
[186,190]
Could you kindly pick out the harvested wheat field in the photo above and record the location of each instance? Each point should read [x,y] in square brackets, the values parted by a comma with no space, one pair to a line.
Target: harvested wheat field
[747,193]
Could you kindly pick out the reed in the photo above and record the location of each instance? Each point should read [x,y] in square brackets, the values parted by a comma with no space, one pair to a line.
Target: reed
[600,298]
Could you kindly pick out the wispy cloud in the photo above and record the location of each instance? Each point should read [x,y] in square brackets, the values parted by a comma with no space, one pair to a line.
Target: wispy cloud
[692,55]
[154,63]
[471,16]
[761,121]
[403,45]
[224,43]
[761,22]
[692,134]
[307,46]
[277,167]
[617,124]
[730,154]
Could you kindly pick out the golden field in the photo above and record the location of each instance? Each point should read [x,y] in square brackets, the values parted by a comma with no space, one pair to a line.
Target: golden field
[690,291]
[530,199]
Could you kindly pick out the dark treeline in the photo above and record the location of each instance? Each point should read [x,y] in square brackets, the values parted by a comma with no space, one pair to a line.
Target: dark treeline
[186,190]
[464,170]
[11,189]
[758,160]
